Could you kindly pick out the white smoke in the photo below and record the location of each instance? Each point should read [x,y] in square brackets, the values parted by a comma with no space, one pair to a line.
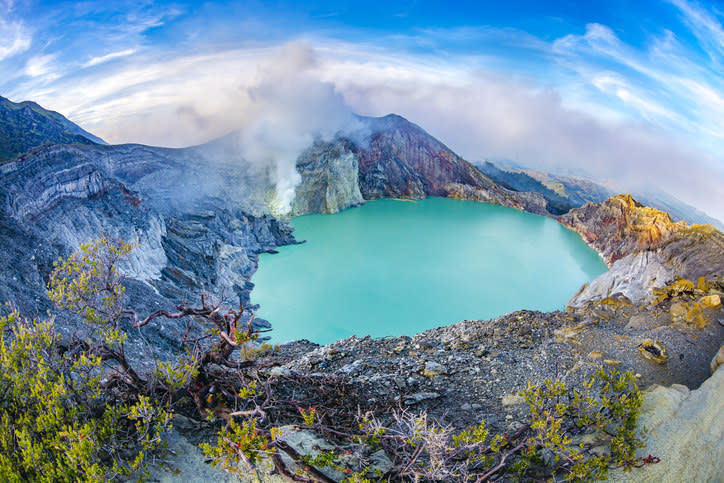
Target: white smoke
[290,108]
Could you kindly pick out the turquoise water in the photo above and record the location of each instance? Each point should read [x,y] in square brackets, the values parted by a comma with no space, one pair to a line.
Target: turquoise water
[398,267]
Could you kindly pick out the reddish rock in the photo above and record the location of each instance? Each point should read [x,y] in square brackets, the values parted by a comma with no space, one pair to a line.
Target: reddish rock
[621,226]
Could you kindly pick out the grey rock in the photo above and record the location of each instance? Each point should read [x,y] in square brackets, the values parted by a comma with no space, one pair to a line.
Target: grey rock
[686,430]
[187,464]
[433,369]
[353,368]
[419,397]
[307,443]
[642,321]
[634,276]
[379,463]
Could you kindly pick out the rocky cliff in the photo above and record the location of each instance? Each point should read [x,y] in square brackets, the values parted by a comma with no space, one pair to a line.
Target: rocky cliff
[199,223]
[644,249]
[398,159]
[620,226]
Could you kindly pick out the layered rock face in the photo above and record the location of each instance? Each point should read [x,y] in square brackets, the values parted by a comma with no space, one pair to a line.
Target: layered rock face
[330,178]
[620,226]
[644,248]
[401,160]
[198,222]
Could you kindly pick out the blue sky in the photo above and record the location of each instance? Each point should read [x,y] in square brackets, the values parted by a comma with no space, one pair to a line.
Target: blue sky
[627,92]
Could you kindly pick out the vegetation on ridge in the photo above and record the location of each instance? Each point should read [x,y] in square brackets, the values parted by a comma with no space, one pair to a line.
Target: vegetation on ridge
[82,409]
[26,125]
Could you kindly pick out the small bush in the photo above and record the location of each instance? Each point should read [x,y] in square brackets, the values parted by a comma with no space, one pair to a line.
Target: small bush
[57,422]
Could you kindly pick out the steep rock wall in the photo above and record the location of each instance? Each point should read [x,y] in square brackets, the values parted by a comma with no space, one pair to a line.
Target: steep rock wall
[398,159]
[620,226]
[644,249]
[330,178]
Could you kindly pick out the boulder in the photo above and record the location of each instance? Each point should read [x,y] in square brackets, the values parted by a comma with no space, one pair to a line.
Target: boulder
[634,276]
[186,463]
[433,369]
[710,301]
[686,431]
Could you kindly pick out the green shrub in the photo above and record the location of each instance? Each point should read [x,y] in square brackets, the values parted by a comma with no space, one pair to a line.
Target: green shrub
[564,437]
[57,422]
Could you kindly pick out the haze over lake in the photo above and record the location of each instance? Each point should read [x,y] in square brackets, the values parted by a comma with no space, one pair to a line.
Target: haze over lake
[394,267]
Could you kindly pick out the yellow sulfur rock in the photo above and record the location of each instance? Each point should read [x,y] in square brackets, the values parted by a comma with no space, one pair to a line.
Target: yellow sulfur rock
[710,301]
[678,310]
[696,317]
[702,284]
[654,350]
[681,286]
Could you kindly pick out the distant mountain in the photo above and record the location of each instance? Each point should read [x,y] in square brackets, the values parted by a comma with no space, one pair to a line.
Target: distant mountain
[563,193]
[26,125]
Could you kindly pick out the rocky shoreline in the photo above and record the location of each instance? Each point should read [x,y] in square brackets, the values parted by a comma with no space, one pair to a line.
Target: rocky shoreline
[473,370]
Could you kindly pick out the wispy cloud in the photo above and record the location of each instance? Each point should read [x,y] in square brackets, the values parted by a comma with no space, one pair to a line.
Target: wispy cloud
[41,66]
[14,38]
[108,57]
[661,85]
[704,26]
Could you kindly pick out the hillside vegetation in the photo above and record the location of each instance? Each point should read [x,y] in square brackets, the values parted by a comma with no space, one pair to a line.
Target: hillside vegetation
[26,125]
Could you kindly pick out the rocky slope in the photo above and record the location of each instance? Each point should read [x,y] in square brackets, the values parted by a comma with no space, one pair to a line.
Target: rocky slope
[398,159]
[620,226]
[26,125]
[644,249]
[473,370]
[194,232]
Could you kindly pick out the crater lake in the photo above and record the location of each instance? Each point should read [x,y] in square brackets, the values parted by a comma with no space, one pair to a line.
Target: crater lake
[394,267]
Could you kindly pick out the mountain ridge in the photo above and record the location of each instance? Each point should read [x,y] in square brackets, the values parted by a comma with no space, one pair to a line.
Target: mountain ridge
[562,193]
[143,190]
[27,125]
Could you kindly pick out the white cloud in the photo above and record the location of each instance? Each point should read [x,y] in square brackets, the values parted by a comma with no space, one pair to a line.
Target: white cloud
[14,39]
[41,66]
[108,57]
[666,85]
